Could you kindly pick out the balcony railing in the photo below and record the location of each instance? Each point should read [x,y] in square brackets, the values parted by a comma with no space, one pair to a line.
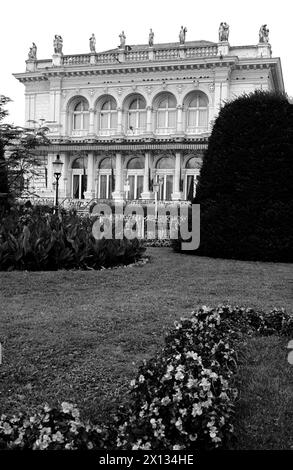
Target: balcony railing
[196,130]
[164,131]
[153,54]
[79,132]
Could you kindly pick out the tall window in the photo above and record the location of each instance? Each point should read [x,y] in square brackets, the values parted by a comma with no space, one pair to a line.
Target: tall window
[191,177]
[108,115]
[137,115]
[166,113]
[165,177]
[80,116]
[197,113]
[106,178]
[79,178]
[135,175]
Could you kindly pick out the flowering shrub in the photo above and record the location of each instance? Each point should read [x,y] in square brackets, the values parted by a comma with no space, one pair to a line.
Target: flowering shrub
[182,398]
[50,429]
[158,242]
[35,239]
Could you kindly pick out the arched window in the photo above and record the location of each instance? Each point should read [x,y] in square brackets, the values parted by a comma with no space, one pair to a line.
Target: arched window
[191,177]
[166,112]
[80,116]
[197,113]
[106,164]
[192,163]
[165,171]
[106,178]
[137,114]
[136,163]
[166,163]
[79,177]
[135,176]
[108,115]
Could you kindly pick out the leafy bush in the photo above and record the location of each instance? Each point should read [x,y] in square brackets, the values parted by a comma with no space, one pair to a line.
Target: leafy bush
[50,429]
[182,398]
[34,239]
[245,185]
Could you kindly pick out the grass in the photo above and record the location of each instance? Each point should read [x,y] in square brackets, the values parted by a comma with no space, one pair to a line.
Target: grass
[80,335]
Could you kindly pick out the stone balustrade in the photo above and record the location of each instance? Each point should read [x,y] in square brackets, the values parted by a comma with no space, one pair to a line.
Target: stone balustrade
[129,56]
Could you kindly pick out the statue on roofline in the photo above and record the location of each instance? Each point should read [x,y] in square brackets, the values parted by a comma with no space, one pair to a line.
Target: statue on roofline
[58,44]
[151,38]
[32,54]
[223,32]
[264,34]
[182,35]
[122,39]
[93,43]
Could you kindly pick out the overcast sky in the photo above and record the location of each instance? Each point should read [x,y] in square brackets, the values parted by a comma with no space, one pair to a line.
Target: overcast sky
[24,22]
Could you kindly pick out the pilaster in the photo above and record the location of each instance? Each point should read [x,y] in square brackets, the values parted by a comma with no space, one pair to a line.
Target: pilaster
[118,193]
[177,194]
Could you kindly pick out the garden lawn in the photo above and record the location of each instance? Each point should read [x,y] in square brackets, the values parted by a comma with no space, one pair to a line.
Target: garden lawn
[79,336]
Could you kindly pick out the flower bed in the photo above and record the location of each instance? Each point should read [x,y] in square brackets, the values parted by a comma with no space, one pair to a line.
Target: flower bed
[183,398]
[35,239]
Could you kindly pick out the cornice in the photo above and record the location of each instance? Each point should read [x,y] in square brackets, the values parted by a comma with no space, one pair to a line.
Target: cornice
[121,69]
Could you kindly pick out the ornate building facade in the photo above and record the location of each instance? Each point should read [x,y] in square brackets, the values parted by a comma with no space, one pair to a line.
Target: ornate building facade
[126,118]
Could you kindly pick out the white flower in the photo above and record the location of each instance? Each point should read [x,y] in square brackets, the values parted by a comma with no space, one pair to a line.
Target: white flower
[196,409]
[57,437]
[183,411]
[7,428]
[178,424]
[66,407]
[75,413]
[179,375]
[165,401]
[141,378]
[191,383]
[177,447]
[193,355]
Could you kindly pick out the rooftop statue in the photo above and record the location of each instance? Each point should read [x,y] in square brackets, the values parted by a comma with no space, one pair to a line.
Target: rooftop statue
[93,43]
[151,38]
[32,54]
[122,39]
[182,35]
[58,44]
[264,34]
[223,32]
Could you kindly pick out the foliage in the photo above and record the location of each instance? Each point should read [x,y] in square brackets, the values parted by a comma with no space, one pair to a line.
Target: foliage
[50,429]
[245,189]
[182,398]
[34,239]
[19,161]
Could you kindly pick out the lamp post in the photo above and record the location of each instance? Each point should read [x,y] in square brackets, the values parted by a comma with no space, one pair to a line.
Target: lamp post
[156,187]
[57,167]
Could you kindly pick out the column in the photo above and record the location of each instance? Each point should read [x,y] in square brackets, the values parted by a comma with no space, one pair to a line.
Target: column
[119,121]
[118,193]
[179,119]
[64,177]
[146,194]
[221,93]
[177,194]
[92,121]
[90,192]
[149,119]
[49,190]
